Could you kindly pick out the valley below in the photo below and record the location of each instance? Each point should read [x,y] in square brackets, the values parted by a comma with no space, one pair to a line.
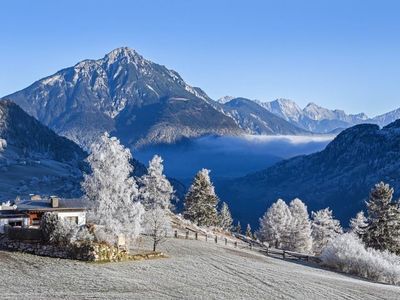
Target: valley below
[229,156]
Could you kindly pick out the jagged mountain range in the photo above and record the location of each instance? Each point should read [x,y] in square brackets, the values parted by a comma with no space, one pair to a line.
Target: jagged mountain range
[137,100]
[316,119]
[253,118]
[339,177]
[144,103]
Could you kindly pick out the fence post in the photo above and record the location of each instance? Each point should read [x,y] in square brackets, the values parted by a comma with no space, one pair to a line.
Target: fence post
[284,254]
[226,241]
[176,234]
[195,235]
[267,251]
[235,244]
[216,239]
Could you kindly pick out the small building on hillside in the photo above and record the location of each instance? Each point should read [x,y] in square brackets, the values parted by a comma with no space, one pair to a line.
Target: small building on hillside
[28,213]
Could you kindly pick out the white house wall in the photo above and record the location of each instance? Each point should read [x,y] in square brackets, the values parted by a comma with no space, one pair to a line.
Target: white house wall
[5,221]
[80,214]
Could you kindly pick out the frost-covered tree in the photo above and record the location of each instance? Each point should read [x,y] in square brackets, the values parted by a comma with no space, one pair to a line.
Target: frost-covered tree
[238,228]
[201,201]
[324,229]
[155,189]
[383,230]
[225,217]
[56,230]
[347,253]
[249,232]
[300,238]
[157,224]
[275,225]
[111,191]
[358,224]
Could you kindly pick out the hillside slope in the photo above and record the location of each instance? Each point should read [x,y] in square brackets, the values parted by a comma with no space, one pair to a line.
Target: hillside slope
[193,270]
[340,176]
[34,159]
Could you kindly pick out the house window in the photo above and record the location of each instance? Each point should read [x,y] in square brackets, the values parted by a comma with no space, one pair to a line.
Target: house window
[72,220]
[15,223]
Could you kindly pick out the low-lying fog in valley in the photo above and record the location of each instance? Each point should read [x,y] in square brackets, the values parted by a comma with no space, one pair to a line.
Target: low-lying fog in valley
[230,156]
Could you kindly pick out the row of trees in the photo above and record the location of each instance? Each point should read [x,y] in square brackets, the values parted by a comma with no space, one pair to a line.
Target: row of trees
[122,205]
[289,226]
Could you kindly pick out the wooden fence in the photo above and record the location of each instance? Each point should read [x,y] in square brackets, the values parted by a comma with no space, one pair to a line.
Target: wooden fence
[243,242]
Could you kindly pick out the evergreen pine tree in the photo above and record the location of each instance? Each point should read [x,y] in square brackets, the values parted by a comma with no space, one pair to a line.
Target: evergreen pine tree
[225,217]
[324,229]
[238,228]
[248,231]
[358,224]
[201,201]
[383,230]
[300,227]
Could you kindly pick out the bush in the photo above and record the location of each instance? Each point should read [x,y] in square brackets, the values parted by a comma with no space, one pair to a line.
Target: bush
[48,224]
[61,232]
[348,254]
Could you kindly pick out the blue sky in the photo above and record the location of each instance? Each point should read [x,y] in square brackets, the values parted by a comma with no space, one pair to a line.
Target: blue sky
[339,54]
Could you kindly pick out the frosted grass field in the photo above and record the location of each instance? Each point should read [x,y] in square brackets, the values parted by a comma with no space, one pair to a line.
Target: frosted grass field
[194,270]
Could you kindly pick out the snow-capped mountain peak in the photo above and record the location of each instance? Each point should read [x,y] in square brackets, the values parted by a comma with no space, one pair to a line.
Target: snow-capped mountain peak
[285,108]
[142,101]
[225,99]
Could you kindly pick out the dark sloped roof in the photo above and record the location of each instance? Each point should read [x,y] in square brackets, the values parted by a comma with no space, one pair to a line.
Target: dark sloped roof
[45,205]
[11,214]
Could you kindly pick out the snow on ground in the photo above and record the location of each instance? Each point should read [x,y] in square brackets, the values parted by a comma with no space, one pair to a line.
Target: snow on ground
[194,270]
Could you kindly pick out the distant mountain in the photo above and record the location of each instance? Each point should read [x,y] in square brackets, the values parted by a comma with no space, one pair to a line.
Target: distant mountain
[255,119]
[340,176]
[226,99]
[137,100]
[383,120]
[33,158]
[313,118]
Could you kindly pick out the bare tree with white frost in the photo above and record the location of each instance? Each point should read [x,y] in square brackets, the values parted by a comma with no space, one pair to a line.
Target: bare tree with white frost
[111,191]
[275,225]
[155,189]
[300,239]
[324,229]
[157,225]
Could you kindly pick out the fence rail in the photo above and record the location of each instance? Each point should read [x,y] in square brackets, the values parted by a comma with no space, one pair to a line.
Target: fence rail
[243,242]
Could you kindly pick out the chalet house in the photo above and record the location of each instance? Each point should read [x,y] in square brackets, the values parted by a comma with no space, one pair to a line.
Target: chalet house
[27,213]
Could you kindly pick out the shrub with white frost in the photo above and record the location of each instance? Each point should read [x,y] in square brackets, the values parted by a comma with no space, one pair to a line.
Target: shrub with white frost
[348,254]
